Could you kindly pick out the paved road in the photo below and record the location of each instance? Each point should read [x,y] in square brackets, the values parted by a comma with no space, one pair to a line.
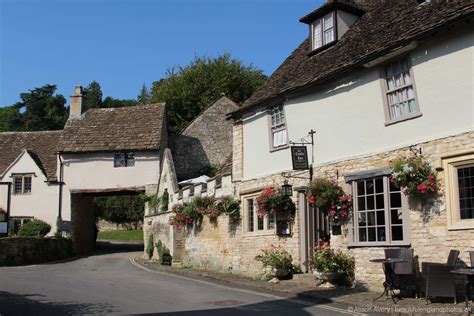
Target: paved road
[108,283]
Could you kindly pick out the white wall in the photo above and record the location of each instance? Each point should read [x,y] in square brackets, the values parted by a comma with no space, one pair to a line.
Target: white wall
[96,171]
[349,116]
[41,203]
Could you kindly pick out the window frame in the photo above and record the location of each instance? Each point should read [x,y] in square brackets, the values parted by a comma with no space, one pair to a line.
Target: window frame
[23,177]
[266,231]
[354,226]
[383,84]
[321,23]
[277,128]
[127,160]
[453,214]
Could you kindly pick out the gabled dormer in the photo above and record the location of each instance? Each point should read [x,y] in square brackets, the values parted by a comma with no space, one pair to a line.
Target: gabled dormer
[328,23]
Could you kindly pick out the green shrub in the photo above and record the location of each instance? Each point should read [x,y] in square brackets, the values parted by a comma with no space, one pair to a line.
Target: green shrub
[149,247]
[35,228]
[161,250]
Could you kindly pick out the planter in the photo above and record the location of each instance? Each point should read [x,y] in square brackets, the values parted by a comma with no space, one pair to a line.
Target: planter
[276,272]
[325,276]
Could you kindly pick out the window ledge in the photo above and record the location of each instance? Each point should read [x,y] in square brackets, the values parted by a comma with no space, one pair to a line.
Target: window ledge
[260,233]
[279,148]
[319,49]
[403,118]
[380,245]
[461,225]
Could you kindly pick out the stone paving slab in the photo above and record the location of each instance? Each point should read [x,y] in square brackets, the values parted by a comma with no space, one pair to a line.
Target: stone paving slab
[357,299]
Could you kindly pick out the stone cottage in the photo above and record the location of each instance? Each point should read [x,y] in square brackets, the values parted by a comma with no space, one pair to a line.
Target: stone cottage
[376,80]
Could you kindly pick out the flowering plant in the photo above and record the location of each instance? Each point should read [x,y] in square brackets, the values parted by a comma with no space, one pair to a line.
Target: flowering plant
[275,257]
[415,176]
[229,206]
[325,260]
[339,211]
[323,193]
[205,205]
[184,216]
[271,200]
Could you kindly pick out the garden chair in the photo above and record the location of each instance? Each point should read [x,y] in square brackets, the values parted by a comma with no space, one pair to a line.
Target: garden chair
[436,278]
[405,274]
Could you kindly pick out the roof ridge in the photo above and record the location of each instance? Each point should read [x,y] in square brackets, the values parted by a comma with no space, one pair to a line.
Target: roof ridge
[31,132]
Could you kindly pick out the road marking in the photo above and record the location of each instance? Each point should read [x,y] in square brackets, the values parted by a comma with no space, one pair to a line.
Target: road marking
[296,301]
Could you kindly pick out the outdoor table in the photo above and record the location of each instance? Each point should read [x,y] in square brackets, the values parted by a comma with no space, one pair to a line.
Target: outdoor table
[390,276]
[469,273]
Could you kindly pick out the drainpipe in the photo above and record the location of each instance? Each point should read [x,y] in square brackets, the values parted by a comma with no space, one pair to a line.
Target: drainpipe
[61,183]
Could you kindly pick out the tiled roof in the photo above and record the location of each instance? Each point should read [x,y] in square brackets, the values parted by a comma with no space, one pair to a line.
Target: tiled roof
[386,25]
[42,146]
[115,129]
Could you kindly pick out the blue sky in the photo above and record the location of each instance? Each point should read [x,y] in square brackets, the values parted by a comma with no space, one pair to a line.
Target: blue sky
[125,43]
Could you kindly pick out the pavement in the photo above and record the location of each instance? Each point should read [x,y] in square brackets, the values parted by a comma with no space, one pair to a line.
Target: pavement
[109,282]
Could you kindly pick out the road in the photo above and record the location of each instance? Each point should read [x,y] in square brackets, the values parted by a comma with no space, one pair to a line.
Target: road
[108,283]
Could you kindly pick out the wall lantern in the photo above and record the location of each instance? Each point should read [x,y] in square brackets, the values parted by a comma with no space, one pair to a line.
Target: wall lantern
[287,189]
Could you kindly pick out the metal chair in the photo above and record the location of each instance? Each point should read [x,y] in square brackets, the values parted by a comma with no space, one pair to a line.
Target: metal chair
[404,273]
[436,278]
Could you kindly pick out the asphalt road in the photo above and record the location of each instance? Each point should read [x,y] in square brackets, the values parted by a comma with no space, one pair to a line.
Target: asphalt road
[108,283]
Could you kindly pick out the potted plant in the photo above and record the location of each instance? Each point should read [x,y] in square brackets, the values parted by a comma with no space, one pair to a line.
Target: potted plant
[276,261]
[332,266]
[415,176]
[228,206]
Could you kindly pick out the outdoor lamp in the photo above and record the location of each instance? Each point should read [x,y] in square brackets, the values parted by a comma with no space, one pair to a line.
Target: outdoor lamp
[287,189]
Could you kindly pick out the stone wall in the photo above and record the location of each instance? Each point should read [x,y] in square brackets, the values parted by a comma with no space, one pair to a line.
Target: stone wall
[23,250]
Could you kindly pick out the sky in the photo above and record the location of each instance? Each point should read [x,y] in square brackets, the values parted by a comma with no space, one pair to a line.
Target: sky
[124,44]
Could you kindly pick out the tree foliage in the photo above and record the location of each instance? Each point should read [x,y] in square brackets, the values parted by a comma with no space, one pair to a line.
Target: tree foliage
[39,109]
[93,95]
[110,102]
[187,90]
[144,96]
[119,209]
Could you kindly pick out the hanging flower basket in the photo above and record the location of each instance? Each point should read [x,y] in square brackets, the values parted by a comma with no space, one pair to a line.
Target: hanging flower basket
[415,176]
[271,201]
[329,197]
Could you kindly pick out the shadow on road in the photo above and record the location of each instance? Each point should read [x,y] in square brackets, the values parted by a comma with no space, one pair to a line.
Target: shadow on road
[31,304]
[115,246]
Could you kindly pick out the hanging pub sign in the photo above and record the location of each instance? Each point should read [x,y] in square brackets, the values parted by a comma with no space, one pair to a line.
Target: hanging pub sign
[299,156]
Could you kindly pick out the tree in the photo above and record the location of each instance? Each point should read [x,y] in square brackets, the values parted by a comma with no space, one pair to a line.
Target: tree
[187,90]
[39,109]
[119,209]
[144,96]
[93,95]
[110,102]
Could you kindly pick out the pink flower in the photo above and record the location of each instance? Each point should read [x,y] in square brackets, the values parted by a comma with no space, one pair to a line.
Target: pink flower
[343,214]
[342,198]
[405,191]
[311,200]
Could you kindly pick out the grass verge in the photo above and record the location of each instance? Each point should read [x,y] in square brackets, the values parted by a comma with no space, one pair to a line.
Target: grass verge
[121,235]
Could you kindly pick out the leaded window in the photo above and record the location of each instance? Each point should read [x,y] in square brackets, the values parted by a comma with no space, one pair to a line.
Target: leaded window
[466,191]
[323,31]
[126,159]
[22,184]
[279,135]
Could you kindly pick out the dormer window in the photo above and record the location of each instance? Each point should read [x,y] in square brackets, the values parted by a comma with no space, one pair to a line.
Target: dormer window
[323,30]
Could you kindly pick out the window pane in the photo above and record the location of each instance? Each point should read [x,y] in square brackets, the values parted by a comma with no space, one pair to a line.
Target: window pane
[370,202]
[361,203]
[381,234]
[369,186]
[379,185]
[250,215]
[328,36]
[401,99]
[317,40]
[466,192]
[362,234]
[360,188]
[380,218]
[260,223]
[18,185]
[372,234]
[371,218]
[279,138]
[328,21]
[271,221]
[396,217]
[379,201]
[395,199]
[27,185]
[119,160]
[362,219]
[130,159]
[397,233]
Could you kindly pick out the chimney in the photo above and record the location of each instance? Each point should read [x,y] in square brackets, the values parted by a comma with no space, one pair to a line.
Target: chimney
[78,105]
